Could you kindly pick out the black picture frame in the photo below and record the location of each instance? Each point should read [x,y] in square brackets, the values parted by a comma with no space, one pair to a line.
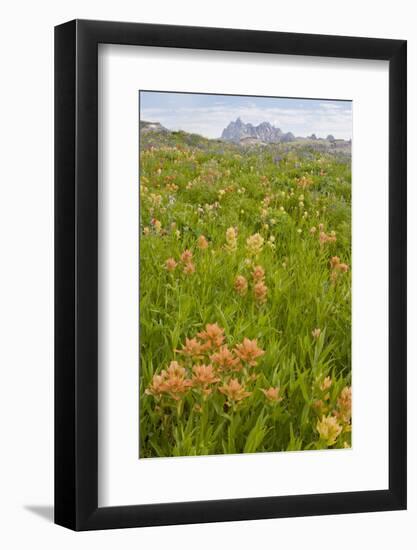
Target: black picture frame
[76,272]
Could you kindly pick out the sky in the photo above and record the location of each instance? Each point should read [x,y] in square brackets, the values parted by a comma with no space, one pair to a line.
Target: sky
[208,114]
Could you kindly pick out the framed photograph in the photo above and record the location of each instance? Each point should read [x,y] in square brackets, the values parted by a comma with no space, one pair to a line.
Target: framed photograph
[230,255]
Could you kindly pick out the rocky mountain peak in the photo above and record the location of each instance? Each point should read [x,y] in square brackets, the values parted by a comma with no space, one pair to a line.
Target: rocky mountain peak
[264,132]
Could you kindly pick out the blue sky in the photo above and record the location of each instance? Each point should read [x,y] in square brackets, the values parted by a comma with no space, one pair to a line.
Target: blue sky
[207,114]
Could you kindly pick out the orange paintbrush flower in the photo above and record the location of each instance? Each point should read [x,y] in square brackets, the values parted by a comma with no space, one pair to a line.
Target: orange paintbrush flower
[260,291]
[225,360]
[272,394]
[176,383]
[157,386]
[258,273]
[192,348]
[241,285]
[189,268]
[234,390]
[202,242]
[204,375]
[325,385]
[324,238]
[213,335]
[249,351]
[186,256]
[170,264]
[337,267]
[344,405]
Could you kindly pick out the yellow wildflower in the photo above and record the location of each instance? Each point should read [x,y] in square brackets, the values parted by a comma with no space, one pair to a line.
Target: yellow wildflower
[254,244]
[316,333]
[329,429]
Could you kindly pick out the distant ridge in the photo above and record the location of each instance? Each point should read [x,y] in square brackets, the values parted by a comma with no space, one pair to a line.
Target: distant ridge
[146,126]
[237,132]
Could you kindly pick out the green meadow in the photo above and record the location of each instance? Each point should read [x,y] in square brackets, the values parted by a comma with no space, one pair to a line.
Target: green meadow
[245,296]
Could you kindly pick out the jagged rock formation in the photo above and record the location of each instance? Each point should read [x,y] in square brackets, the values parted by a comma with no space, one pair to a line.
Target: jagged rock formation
[264,132]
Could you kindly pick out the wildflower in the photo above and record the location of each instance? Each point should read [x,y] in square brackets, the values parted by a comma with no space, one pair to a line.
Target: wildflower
[231,239]
[202,242]
[254,244]
[241,285]
[260,291]
[304,181]
[324,238]
[344,405]
[204,375]
[319,405]
[157,225]
[258,273]
[156,387]
[192,348]
[337,267]
[225,360]
[234,390]
[175,370]
[329,429]
[316,333]
[189,268]
[299,230]
[213,335]
[146,230]
[175,383]
[335,264]
[313,230]
[325,385]
[170,264]
[156,199]
[249,351]
[272,394]
[186,256]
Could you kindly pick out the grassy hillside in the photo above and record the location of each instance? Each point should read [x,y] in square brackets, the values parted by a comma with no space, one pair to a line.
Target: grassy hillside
[245,252]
